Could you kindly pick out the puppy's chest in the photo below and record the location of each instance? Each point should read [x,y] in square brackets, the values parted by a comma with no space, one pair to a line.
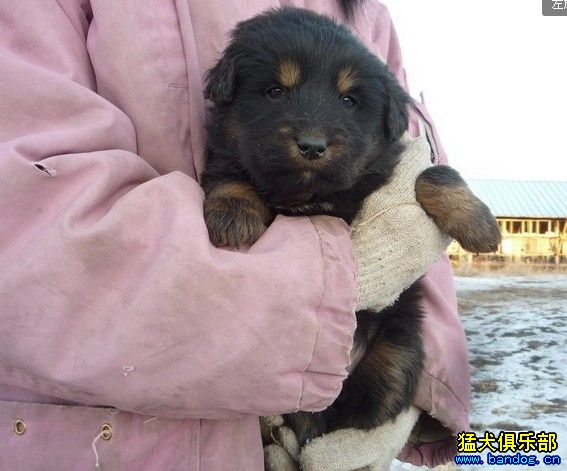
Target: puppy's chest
[307,209]
[344,204]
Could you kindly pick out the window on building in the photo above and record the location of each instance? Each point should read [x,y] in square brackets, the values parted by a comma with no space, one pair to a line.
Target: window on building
[543,227]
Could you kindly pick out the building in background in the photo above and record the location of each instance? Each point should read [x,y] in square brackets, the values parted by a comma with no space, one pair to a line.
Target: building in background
[532,216]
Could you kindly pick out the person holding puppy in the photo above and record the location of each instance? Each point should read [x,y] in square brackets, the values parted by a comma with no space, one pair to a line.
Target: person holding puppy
[125,332]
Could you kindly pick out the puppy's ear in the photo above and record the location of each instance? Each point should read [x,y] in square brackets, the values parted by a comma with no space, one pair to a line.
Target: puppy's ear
[220,81]
[397,118]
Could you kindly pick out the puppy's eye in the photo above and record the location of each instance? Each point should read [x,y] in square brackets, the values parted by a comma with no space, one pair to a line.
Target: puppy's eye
[275,93]
[349,102]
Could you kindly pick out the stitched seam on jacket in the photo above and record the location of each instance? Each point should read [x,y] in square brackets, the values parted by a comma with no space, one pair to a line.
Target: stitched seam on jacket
[79,33]
[199,450]
[168,78]
[448,388]
[183,15]
[323,276]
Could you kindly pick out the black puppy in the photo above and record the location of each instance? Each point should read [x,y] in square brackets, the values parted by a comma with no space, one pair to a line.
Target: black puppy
[307,121]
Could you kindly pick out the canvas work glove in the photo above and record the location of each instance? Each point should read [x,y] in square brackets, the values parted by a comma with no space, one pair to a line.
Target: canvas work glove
[395,242]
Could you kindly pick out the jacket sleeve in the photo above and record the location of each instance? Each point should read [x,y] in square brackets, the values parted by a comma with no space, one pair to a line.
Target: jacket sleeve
[445,385]
[110,292]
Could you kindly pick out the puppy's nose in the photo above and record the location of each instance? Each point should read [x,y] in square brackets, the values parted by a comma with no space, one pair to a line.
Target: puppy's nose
[312,147]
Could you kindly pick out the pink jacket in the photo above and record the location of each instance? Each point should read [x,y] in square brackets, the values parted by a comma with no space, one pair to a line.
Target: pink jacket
[116,313]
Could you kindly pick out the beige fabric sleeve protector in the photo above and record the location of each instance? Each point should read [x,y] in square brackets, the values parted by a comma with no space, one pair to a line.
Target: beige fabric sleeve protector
[390,230]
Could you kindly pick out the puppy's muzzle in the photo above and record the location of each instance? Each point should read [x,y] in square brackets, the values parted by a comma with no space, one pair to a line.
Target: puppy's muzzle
[312,147]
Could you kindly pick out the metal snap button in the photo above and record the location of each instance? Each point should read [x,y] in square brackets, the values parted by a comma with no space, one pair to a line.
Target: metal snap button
[19,427]
[106,432]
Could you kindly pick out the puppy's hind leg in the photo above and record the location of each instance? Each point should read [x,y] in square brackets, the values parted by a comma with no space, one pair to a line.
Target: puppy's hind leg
[306,425]
[385,381]
[446,198]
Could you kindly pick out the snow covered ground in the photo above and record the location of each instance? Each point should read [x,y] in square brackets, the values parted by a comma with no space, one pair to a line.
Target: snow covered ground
[517,332]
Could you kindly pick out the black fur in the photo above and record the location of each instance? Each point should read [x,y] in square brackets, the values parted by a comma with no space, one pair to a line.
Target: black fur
[254,139]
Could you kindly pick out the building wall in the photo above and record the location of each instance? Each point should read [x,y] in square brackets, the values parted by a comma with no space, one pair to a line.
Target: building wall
[522,238]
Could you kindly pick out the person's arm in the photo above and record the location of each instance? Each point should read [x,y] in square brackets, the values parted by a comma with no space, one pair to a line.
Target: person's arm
[110,291]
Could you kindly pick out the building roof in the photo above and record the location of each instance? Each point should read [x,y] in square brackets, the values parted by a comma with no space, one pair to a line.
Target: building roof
[525,199]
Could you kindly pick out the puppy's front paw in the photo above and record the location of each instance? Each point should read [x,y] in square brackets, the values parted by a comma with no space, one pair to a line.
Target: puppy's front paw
[232,224]
[445,197]
[235,215]
[476,230]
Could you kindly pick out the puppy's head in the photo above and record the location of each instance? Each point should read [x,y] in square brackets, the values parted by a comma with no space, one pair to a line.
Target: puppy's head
[306,104]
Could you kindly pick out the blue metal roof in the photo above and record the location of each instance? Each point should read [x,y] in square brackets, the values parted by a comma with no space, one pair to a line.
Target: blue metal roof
[525,199]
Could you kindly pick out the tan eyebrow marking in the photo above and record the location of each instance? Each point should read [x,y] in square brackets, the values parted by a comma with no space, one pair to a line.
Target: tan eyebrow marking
[346,80]
[289,73]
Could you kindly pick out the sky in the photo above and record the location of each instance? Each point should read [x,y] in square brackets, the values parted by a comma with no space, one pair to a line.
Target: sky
[494,76]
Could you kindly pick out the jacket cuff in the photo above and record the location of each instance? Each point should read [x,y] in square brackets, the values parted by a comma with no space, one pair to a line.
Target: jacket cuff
[323,378]
[430,454]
